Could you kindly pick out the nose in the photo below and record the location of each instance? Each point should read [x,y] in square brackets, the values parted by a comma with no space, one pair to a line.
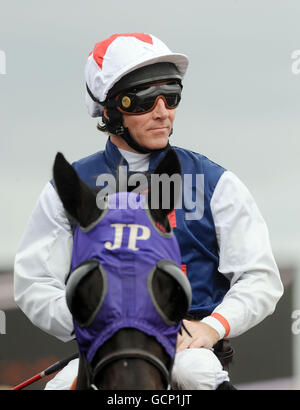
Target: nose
[160,109]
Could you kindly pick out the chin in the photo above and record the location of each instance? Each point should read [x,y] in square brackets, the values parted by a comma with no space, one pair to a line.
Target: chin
[159,145]
[158,142]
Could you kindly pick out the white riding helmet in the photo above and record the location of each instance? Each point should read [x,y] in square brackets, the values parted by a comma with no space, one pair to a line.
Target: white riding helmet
[119,55]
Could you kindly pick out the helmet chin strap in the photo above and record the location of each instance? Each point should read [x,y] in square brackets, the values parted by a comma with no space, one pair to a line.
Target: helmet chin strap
[115,126]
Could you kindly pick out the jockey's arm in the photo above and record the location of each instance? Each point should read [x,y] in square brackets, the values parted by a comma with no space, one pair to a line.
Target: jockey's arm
[246,259]
[41,265]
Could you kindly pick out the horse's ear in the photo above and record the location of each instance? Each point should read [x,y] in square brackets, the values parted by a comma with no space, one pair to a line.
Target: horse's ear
[77,198]
[166,186]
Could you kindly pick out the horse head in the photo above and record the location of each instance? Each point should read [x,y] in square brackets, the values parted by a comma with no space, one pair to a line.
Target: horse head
[125,290]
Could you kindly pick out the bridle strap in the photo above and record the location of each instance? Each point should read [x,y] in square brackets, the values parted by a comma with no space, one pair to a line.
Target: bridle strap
[132,354]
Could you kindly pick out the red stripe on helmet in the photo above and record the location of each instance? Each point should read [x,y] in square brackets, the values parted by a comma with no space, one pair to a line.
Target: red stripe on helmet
[101,48]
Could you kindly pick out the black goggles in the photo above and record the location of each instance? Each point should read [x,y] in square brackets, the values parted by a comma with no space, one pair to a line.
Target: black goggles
[143,100]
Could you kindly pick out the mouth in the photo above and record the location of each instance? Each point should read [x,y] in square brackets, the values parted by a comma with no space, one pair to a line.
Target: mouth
[159,128]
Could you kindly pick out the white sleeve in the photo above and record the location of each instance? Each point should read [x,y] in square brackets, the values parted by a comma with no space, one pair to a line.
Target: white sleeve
[41,264]
[245,259]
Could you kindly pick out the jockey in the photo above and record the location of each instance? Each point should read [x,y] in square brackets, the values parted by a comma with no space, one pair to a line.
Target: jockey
[134,85]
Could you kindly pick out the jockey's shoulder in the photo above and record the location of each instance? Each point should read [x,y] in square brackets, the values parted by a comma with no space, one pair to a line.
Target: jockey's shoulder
[192,161]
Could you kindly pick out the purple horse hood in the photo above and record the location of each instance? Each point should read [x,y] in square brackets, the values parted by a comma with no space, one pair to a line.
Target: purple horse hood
[127,245]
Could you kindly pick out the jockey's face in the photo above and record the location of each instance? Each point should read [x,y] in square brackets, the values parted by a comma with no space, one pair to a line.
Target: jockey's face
[152,129]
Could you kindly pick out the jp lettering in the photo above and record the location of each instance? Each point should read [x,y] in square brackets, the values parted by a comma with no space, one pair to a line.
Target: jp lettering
[137,232]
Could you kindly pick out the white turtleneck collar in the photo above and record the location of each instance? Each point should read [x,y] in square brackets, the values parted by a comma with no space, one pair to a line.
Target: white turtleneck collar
[136,161]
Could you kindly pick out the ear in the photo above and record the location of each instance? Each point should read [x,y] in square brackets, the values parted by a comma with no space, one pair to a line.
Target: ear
[77,198]
[165,180]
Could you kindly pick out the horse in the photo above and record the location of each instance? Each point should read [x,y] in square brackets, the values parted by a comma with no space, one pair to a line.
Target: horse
[126,291]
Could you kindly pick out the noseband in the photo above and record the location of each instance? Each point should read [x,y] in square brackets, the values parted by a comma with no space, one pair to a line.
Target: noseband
[127,354]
